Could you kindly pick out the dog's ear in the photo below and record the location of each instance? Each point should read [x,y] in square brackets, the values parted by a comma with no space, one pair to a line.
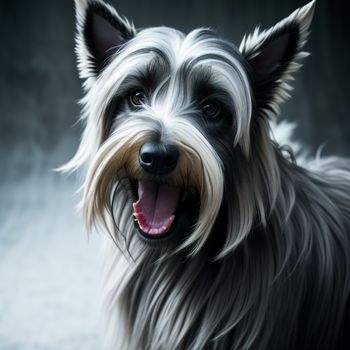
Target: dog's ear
[101,31]
[274,54]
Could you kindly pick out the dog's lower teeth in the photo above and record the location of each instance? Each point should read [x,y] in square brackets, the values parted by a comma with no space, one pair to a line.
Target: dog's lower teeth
[156,231]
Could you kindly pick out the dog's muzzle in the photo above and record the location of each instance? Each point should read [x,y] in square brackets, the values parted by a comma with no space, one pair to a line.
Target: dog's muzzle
[157,201]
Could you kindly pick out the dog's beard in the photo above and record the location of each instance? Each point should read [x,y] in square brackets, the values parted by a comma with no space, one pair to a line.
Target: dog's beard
[192,193]
[123,198]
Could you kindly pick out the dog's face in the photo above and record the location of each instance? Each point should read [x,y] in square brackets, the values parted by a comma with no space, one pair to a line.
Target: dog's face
[177,126]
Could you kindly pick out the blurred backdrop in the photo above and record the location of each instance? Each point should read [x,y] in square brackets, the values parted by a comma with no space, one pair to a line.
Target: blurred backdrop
[49,269]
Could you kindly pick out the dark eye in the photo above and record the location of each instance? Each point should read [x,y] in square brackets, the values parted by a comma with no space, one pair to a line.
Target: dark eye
[211,109]
[137,98]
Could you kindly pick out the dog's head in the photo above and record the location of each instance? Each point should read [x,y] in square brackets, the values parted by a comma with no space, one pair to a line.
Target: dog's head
[176,135]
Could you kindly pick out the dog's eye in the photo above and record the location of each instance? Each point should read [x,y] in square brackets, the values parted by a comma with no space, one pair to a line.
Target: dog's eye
[137,98]
[211,109]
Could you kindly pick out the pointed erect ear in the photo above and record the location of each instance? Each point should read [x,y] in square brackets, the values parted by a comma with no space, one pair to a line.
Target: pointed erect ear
[273,55]
[101,32]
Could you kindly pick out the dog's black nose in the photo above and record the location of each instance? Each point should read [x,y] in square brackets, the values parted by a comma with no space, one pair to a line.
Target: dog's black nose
[158,158]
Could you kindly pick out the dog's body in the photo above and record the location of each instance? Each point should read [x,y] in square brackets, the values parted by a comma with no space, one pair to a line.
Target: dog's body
[229,244]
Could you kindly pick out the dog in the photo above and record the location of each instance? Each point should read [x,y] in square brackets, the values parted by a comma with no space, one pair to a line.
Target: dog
[216,236]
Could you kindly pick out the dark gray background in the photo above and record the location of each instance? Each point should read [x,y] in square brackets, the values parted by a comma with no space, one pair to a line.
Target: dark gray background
[48,272]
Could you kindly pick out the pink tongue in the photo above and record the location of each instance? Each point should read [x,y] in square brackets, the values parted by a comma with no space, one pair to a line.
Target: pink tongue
[155,208]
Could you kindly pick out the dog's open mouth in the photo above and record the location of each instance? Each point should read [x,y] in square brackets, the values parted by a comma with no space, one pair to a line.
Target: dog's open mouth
[155,208]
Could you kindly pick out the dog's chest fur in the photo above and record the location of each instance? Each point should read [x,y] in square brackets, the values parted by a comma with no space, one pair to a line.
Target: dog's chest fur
[281,289]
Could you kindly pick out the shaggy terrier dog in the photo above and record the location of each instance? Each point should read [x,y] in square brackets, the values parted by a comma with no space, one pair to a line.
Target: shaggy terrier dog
[217,237]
